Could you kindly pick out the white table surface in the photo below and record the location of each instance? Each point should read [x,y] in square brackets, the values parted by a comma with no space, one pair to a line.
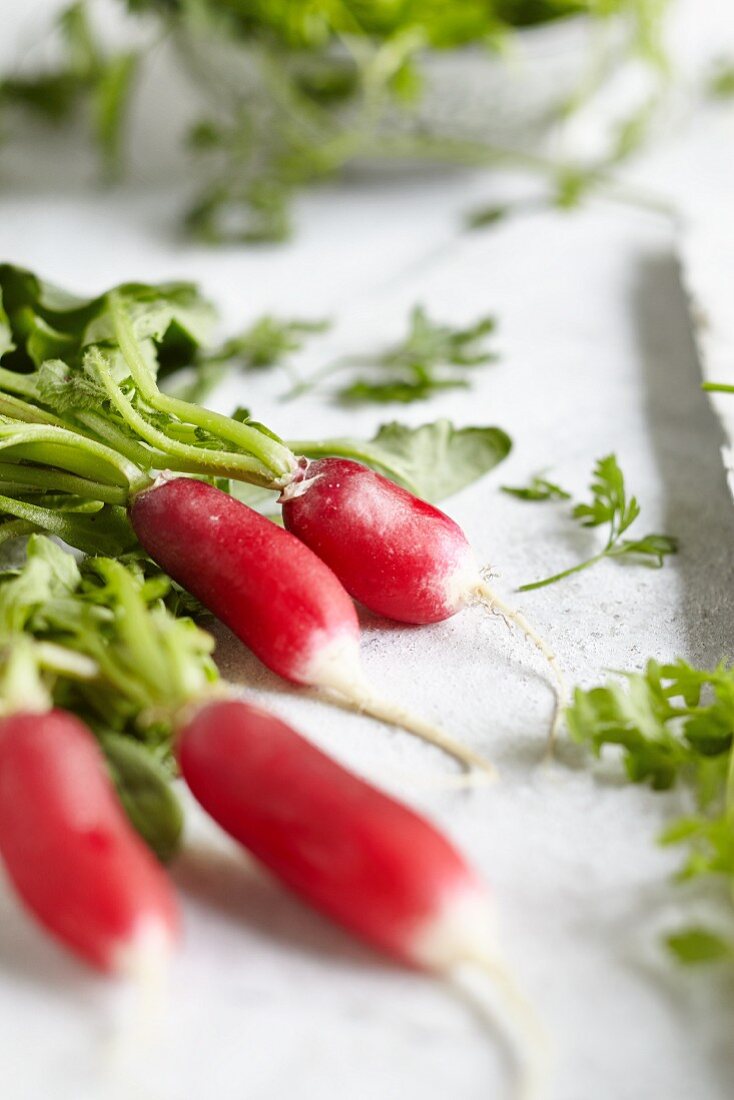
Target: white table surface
[269,1002]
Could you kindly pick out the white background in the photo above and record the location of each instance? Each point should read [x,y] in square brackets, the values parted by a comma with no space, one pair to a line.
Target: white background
[267,1000]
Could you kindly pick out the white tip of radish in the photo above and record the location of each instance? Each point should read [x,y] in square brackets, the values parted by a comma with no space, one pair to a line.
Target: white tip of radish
[335,664]
[461,945]
[144,964]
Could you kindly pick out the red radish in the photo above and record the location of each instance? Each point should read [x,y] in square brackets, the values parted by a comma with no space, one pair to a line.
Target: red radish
[398,555]
[69,850]
[353,853]
[273,592]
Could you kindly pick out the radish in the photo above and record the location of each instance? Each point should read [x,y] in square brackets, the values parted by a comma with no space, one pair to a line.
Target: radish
[358,856]
[70,852]
[273,592]
[398,555]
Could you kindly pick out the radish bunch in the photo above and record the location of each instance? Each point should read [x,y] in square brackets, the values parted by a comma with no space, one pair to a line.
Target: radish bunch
[102,431]
[276,595]
[102,635]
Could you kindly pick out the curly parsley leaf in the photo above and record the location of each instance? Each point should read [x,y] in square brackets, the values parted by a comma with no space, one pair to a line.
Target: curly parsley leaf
[673,725]
[611,506]
[699,945]
[537,489]
[432,357]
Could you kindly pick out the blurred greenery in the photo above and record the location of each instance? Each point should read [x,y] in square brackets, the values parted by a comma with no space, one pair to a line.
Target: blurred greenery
[303,88]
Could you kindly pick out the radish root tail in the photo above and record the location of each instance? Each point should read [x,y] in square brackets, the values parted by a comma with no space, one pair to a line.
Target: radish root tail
[478,769]
[146,971]
[497,605]
[532,1048]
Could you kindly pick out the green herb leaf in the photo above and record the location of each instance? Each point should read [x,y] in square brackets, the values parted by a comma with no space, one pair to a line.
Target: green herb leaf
[721,79]
[483,217]
[698,945]
[439,459]
[611,506]
[673,724]
[85,75]
[538,489]
[653,549]
[146,793]
[432,357]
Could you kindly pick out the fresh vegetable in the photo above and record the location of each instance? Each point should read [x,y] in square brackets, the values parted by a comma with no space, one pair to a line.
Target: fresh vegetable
[418,367]
[113,653]
[276,595]
[609,505]
[69,850]
[672,724]
[106,387]
[302,90]
[359,857]
[102,636]
[396,554]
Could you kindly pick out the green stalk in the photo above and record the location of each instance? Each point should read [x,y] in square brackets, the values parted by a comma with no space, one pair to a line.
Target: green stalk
[566,573]
[37,477]
[75,453]
[84,532]
[135,627]
[135,452]
[221,463]
[65,662]
[21,685]
[717,387]
[21,384]
[273,455]
[16,529]
[16,409]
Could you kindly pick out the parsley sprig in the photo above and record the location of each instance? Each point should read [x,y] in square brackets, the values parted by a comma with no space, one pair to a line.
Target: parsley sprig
[673,724]
[433,356]
[610,505]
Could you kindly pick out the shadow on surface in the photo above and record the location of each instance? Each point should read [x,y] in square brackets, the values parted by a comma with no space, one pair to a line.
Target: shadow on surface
[231,885]
[687,438]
